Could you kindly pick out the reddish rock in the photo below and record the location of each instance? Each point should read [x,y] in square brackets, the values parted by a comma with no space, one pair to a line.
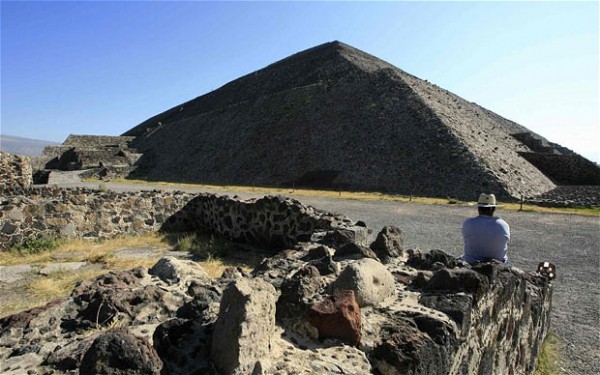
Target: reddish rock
[337,317]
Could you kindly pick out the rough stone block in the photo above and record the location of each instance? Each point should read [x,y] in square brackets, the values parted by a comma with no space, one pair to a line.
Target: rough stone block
[119,352]
[388,243]
[15,215]
[245,325]
[70,356]
[458,280]
[172,270]
[431,259]
[337,317]
[338,237]
[182,346]
[457,306]
[9,228]
[296,291]
[406,349]
[370,280]
[318,253]
[325,265]
[354,251]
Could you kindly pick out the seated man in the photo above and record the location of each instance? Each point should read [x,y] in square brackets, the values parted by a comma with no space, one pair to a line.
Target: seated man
[486,237]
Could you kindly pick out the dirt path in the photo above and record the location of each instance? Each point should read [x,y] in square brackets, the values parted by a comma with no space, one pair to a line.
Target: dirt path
[571,242]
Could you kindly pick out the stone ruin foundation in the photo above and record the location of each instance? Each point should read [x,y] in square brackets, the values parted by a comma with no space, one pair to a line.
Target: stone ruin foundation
[326,302]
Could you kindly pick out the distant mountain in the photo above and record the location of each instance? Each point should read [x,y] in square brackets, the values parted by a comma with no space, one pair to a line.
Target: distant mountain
[23,146]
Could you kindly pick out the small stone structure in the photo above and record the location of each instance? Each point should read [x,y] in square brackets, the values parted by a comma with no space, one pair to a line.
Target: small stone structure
[273,222]
[569,196]
[74,140]
[560,164]
[79,152]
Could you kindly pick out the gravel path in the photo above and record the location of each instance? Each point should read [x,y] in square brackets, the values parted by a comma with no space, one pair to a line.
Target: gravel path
[571,242]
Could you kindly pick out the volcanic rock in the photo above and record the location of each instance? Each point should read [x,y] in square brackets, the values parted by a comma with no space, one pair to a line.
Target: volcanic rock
[119,352]
[337,317]
[370,280]
[388,243]
[245,325]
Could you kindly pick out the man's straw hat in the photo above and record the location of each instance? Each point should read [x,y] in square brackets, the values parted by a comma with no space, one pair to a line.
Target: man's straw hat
[487,200]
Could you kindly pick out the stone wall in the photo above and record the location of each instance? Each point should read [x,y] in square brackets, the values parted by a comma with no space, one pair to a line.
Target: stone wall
[55,151]
[536,143]
[421,312]
[565,169]
[88,151]
[273,222]
[15,174]
[502,316]
[53,212]
[84,158]
[75,140]
[107,172]
[49,157]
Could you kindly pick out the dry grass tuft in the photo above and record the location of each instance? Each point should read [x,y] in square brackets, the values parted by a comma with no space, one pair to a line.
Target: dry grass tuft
[204,246]
[215,254]
[112,262]
[82,250]
[115,323]
[215,267]
[58,284]
[42,289]
[21,304]
[550,357]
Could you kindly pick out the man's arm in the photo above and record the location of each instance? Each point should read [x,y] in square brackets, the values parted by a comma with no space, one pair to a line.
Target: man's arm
[505,229]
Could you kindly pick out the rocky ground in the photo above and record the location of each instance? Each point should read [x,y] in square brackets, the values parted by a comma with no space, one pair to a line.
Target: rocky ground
[19,283]
[570,241]
[422,312]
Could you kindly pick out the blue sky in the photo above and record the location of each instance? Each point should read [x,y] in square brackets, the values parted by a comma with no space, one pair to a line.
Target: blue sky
[104,67]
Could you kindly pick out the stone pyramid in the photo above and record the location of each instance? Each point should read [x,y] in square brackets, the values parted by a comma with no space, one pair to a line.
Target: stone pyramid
[334,117]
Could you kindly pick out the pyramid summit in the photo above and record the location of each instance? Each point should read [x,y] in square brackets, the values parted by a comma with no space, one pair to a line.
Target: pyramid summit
[335,117]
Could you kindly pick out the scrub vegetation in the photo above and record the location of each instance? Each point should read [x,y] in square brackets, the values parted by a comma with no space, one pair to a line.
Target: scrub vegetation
[101,256]
[550,357]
